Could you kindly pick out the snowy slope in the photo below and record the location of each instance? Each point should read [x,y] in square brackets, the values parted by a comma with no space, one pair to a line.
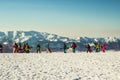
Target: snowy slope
[60,66]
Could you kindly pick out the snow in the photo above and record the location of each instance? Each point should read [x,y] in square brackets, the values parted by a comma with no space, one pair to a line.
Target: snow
[25,38]
[5,43]
[64,40]
[111,39]
[23,34]
[96,40]
[60,66]
[14,34]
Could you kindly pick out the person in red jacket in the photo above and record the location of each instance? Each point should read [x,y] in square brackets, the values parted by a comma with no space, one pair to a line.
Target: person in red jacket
[73,46]
[103,47]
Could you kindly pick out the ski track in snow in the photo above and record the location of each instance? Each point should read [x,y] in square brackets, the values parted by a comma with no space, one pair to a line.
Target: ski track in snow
[60,66]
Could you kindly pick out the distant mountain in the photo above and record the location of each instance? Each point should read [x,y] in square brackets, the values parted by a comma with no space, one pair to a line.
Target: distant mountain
[34,37]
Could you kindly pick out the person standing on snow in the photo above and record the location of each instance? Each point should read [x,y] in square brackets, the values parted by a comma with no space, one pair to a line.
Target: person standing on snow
[27,48]
[24,47]
[73,46]
[88,48]
[47,48]
[103,47]
[19,48]
[1,48]
[15,48]
[65,48]
[96,47]
[38,48]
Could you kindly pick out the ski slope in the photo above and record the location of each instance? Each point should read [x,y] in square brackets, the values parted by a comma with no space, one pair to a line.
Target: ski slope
[60,66]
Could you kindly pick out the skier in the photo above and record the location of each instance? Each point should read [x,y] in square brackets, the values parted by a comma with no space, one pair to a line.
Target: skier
[99,47]
[15,48]
[47,48]
[88,48]
[19,48]
[103,47]
[73,46]
[1,47]
[27,48]
[38,48]
[24,44]
[65,48]
[96,47]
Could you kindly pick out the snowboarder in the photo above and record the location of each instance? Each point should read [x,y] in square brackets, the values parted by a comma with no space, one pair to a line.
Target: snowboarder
[47,48]
[65,48]
[38,48]
[88,48]
[73,46]
[103,47]
[1,48]
[27,48]
[15,48]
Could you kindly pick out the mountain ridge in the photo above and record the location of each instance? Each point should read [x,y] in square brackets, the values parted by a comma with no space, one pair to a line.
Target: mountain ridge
[35,37]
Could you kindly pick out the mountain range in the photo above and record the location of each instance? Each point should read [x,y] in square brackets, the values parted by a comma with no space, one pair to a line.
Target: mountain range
[56,42]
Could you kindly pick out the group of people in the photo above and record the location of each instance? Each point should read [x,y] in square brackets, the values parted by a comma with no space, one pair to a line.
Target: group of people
[18,48]
[97,47]
[73,46]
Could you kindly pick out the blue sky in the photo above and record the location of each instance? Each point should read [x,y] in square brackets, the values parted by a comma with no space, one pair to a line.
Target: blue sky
[72,18]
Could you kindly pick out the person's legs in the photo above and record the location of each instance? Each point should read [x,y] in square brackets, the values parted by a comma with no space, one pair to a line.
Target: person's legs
[103,50]
[97,50]
[39,51]
[64,50]
[47,50]
[87,50]
[73,50]
[27,51]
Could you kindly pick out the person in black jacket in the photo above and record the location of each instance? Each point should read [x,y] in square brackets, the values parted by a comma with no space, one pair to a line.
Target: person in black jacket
[38,48]
[88,48]
[65,48]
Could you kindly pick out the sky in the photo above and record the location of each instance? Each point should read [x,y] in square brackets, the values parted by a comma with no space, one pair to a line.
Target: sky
[70,18]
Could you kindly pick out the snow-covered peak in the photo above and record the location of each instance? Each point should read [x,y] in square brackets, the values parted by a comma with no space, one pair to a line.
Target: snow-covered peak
[90,40]
[111,39]
[34,37]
